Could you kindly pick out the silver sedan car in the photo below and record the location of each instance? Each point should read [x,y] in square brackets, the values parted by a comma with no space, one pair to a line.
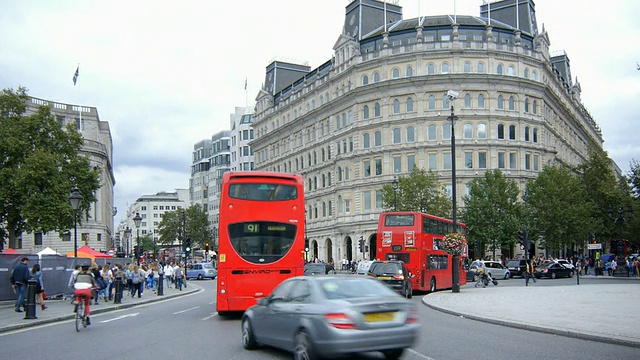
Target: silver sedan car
[315,317]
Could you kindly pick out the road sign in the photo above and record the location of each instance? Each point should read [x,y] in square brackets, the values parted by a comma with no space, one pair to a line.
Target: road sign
[594,246]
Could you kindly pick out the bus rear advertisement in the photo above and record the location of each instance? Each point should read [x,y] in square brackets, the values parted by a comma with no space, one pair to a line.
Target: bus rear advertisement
[415,238]
[261,236]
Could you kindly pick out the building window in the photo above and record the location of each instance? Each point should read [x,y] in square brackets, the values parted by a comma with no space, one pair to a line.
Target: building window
[535,135]
[444,68]
[536,159]
[534,75]
[468,160]
[480,101]
[376,110]
[526,73]
[446,161]
[367,200]
[513,160]
[431,132]
[347,206]
[445,102]
[526,133]
[535,107]
[395,73]
[377,138]
[378,167]
[339,173]
[411,162]
[480,68]
[396,106]
[482,131]
[467,101]
[500,102]
[511,70]
[512,103]
[397,164]
[365,112]
[376,77]
[37,239]
[501,131]
[527,161]
[396,135]
[409,104]
[431,102]
[499,69]
[446,131]
[432,161]
[526,105]
[365,80]
[366,141]
[468,131]
[466,67]
[431,69]
[512,132]
[501,160]
[378,199]
[408,71]
[340,204]
[482,160]
[411,137]
[367,168]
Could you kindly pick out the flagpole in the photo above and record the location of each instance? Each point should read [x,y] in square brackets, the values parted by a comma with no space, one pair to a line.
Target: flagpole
[246,95]
[75,80]
[385,15]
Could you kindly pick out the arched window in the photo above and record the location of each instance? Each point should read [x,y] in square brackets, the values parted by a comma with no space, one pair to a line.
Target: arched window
[376,110]
[396,106]
[339,173]
[511,70]
[501,131]
[431,69]
[526,73]
[445,102]
[323,154]
[446,131]
[526,133]
[376,77]
[365,112]
[526,105]
[396,136]
[535,135]
[467,67]
[411,134]
[535,107]
[512,132]
[324,209]
[395,73]
[534,75]
[431,102]
[339,204]
[482,131]
[409,104]
[365,80]
[500,102]
[366,141]
[499,69]
[324,180]
[408,71]
[480,68]
[480,101]
[467,101]
[512,103]
[377,138]
[468,131]
[431,132]
[444,68]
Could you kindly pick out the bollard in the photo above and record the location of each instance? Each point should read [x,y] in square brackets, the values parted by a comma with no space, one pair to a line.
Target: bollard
[117,298]
[160,286]
[30,306]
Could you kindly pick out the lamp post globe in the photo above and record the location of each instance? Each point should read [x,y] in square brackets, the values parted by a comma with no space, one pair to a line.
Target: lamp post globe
[75,199]
[137,220]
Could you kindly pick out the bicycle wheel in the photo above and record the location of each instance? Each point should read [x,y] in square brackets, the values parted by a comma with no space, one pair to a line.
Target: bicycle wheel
[79,315]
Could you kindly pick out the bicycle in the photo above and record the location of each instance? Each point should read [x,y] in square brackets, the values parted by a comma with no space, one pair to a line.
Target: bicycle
[81,318]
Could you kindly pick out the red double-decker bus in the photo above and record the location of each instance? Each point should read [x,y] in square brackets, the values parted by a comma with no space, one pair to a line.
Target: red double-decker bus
[415,238]
[261,236]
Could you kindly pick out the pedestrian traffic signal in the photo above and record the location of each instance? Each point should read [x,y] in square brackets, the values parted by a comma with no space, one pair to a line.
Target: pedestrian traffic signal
[521,236]
[206,246]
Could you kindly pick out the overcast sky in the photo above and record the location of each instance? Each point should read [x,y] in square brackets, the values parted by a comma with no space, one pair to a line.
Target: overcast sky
[166,75]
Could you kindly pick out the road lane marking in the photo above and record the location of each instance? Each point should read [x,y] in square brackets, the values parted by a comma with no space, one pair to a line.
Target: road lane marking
[210,316]
[119,317]
[425,357]
[183,311]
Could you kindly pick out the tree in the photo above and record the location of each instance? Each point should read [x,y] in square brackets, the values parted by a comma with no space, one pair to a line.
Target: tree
[40,164]
[413,189]
[556,210]
[193,221]
[492,212]
[634,179]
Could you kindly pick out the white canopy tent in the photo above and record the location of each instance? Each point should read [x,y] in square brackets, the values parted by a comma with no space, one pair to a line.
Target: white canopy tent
[47,251]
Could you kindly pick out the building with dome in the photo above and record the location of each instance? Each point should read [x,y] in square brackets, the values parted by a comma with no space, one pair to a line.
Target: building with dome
[379,107]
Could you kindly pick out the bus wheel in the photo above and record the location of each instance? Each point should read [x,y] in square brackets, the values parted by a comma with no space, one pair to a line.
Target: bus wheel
[432,287]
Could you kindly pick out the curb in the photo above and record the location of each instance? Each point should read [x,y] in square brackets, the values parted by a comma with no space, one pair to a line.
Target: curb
[565,333]
[71,315]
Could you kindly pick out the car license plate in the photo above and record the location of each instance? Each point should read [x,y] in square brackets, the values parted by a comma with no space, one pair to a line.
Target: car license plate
[378,317]
[384,277]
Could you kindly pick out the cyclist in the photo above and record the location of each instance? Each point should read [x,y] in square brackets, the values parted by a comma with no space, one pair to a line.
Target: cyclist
[83,283]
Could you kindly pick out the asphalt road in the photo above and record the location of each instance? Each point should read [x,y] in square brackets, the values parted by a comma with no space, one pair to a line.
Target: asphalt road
[188,327]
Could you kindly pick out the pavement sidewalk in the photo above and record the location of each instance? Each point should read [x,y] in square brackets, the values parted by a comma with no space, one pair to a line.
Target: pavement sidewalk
[590,311]
[59,310]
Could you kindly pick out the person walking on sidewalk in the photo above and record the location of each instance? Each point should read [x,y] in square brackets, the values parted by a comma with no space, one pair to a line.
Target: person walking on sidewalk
[530,272]
[137,280]
[168,274]
[177,275]
[19,277]
[37,275]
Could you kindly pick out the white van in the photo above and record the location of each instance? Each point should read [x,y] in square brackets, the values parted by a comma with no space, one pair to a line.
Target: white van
[363,267]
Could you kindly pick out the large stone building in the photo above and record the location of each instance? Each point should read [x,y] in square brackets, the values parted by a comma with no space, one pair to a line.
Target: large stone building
[379,107]
[96,229]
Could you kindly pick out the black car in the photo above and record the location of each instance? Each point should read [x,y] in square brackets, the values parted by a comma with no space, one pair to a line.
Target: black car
[553,270]
[312,269]
[517,267]
[395,274]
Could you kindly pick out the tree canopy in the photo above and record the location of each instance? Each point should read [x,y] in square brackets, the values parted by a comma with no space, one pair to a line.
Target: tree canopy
[419,191]
[40,163]
[180,224]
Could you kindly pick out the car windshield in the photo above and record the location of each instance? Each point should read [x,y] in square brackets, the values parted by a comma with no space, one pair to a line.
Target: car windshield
[385,268]
[335,288]
[207,266]
[317,268]
[513,263]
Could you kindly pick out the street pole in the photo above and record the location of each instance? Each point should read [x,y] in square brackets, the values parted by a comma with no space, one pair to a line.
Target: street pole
[453,95]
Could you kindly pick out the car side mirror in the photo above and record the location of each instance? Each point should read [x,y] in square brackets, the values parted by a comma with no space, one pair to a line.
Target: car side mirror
[263,301]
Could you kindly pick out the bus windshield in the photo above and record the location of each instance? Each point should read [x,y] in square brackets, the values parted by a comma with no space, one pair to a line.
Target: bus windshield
[262,242]
[399,220]
[262,192]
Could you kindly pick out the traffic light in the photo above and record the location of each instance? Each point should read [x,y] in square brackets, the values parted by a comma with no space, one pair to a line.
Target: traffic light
[306,244]
[206,247]
[521,235]
[361,244]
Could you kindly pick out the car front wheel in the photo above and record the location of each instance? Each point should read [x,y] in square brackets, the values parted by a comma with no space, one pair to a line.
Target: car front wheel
[199,276]
[507,275]
[248,339]
[304,347]
[553,275]
[392,354]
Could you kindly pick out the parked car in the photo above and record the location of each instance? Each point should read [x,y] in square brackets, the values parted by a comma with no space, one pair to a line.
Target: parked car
[311,269]
[517,267]
[494,269]
[566,263]
[363,267]
[395,274]
[201,271]
[330,316]
[552,269]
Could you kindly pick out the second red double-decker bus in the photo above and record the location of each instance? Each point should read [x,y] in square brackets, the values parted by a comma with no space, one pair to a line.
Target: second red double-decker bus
[415,238]
[261,236]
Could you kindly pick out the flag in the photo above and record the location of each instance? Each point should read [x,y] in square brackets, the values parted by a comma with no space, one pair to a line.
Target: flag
[245,83]
[75,76]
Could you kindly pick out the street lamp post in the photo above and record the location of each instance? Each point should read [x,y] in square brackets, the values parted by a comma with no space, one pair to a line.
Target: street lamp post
[622,269]
[137,220]
[127,236]
[394,183]
[75,199]
[453,95]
